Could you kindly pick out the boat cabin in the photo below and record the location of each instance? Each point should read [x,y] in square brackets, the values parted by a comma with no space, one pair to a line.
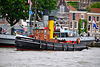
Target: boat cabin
[42,34]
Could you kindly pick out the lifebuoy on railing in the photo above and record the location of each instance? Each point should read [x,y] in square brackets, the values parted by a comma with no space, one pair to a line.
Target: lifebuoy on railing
[35,37]
[45,36]
[78,40]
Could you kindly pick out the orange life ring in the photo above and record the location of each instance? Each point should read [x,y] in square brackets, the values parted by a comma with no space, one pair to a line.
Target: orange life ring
[78,40]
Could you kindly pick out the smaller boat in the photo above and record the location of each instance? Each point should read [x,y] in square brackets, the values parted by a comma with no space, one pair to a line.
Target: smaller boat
[42,41]
[7,40]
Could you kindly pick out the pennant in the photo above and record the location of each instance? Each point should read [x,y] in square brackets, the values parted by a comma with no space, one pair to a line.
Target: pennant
[39,11]
[29,2]
[31,12]
[42,12]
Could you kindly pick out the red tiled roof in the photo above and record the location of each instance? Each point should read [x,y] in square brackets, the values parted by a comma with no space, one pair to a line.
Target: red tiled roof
[71,8]
[72,0]
[95,10]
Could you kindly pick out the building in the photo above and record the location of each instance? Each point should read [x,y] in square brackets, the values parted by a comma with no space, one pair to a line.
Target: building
[84,3]
[62,15]
[93,1]
[94,13]
[74,17]
[72,0]
[4,25]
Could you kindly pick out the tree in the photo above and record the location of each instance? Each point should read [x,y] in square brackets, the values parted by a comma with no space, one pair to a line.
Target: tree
[85,30]
[79,28]
[14,10]
[44,4]
[74,4]
[95,5]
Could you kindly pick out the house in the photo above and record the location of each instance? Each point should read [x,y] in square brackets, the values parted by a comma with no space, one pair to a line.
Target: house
[94,13]
[62,15]
[84,3]
[74,17]
[4,25]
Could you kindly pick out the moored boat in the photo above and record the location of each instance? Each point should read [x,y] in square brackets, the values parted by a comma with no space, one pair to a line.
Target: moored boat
[7,40]
[42,41]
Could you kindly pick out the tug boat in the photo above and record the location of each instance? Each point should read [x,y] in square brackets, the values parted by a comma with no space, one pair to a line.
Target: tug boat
[42,41]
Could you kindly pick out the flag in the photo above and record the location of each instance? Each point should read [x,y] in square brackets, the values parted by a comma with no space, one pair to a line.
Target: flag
[42,12]
[29,2]
[39,11]
[54,27]
[31,12]
[94,23]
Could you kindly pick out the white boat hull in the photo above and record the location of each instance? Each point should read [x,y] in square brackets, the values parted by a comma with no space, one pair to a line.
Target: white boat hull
[7,39]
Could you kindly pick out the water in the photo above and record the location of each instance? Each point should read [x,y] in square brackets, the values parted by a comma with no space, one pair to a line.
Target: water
[9,57]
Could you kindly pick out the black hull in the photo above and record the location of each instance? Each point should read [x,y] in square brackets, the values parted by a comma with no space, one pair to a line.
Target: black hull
[23,43]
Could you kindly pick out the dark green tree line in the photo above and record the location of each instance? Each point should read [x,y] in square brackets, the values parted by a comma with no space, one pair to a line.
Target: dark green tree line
[14,10]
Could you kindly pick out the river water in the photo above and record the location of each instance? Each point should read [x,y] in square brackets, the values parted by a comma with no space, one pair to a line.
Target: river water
[9,57]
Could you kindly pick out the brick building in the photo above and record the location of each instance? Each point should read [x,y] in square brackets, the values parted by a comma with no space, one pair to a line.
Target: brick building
[94,13]
[74,17]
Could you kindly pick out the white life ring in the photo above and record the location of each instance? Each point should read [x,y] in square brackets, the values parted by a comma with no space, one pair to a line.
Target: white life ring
[45,36]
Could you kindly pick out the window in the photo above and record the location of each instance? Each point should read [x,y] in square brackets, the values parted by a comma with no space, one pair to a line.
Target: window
[97,18]
[71,24]
[76,24]
[89,18]
[62,8]
[88,27]
[73,16]
[97,30]
[82,16]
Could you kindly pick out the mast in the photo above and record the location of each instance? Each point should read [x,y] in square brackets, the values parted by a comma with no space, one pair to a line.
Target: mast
[35,16]
[29,30]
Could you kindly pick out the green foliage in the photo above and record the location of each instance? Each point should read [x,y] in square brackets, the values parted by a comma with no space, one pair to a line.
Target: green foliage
[95,5]
[14,10]
[85,30]
[44,4]
[79,28]
[74,4]
[88,8]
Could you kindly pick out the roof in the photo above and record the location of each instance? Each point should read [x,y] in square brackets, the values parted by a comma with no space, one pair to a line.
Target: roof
[72,0]
[95,10]
[62,2]
[72,8]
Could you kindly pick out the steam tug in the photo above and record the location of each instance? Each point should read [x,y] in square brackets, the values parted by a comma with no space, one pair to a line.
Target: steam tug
[42,39]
